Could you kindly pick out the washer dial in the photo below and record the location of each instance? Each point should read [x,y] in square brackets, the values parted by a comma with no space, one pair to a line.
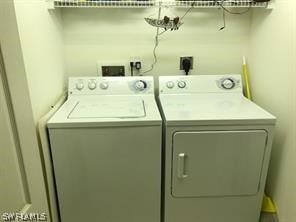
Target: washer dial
[140,85]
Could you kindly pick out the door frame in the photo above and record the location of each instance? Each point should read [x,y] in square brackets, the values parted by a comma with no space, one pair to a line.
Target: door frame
[13,77]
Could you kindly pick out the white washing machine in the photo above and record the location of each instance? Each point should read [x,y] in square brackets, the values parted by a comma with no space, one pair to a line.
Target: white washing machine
[106,151]
[217,148]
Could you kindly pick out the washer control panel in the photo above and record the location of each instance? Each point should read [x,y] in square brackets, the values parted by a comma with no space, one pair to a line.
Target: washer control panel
[200,84]
[110,85]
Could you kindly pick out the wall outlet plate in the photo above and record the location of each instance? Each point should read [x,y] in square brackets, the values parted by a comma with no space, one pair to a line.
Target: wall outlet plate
[135,59]
[186,57]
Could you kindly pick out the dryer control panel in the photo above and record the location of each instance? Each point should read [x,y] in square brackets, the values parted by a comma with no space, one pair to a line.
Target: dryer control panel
[110,85]
[200,84]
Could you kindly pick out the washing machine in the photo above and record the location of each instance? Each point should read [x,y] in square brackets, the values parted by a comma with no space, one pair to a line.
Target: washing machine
[217,146]
[106,151]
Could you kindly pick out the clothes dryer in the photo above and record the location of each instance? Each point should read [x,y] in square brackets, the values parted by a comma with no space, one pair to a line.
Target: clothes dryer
[217,146]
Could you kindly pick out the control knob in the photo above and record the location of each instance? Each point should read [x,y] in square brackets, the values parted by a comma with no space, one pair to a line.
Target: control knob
[181,84]
[104,85]
[79,85]
[92,85]
[140,85]
[170,84]
[228,83]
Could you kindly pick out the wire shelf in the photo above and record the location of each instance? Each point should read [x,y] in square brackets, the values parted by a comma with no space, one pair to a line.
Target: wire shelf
[151,3]
[216,4]
[103,3]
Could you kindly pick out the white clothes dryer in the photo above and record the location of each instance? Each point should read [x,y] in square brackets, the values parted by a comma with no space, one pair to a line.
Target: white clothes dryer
[217,148]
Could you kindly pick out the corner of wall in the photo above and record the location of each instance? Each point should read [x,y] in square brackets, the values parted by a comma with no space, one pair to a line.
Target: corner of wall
[272,56]
[41,39]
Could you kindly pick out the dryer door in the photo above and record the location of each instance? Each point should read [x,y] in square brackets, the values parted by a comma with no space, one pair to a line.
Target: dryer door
[217,163]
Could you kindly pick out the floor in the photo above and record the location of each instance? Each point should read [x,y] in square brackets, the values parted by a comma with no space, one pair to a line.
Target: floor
[268,218]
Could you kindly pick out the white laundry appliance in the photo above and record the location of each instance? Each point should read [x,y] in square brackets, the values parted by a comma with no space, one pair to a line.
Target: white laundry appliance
[217,146]
[106,151]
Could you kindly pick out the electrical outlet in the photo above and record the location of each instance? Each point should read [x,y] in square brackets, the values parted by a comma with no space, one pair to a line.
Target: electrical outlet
[135,65]
[136,61]
[186,57]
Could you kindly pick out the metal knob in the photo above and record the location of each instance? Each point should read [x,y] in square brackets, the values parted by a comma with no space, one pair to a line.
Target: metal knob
[181,84]
[92,85]
[79,85]
[104,85]
[228,83]
[170,84]
[140,85]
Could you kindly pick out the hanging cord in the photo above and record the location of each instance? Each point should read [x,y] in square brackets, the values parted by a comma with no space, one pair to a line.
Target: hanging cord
[160,33]
[224,21]
[156,41]
[192,5]
[221,5]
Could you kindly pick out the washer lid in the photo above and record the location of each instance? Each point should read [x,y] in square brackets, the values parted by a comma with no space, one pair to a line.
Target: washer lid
[108,108]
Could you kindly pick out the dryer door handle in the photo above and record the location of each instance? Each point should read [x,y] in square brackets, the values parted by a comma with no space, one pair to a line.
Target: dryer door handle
[181,166]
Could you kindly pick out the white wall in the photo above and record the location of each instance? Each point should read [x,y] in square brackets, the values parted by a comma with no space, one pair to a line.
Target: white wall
[117,34]
[272,62]
[42,45]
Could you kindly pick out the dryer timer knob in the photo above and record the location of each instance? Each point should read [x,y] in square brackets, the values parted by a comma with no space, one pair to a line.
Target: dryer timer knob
[228,83]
